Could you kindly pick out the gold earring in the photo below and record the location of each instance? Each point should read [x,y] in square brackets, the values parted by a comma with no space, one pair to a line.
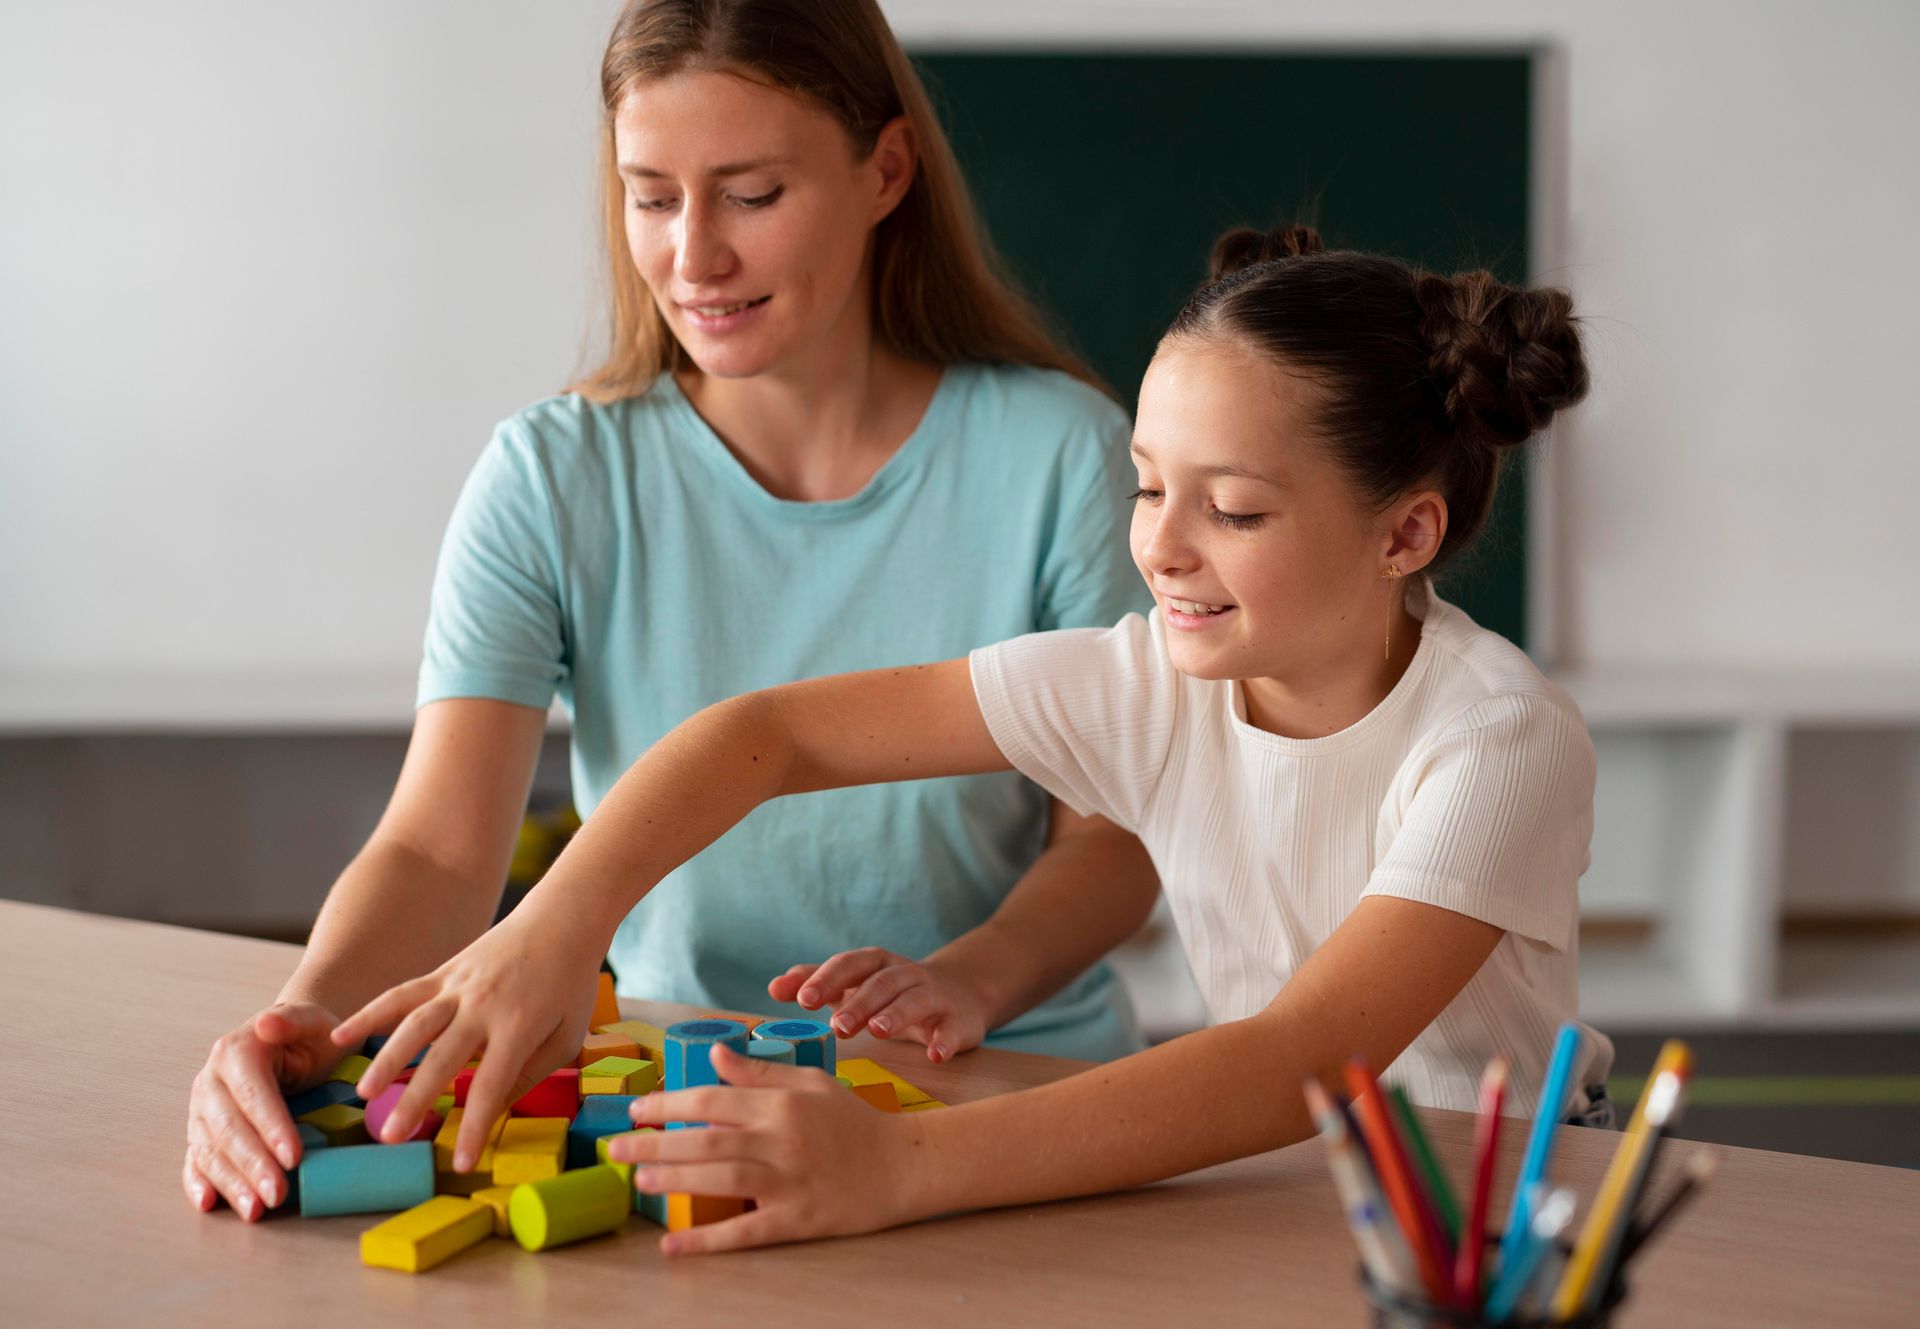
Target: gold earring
[1392,574]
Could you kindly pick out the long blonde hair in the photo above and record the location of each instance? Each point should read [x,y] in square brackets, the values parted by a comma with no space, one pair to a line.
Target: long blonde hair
[939,293]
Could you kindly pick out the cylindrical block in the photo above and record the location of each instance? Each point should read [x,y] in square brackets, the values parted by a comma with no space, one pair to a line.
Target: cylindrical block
[813,1042]
[569,1207]
[772,1049]
[365,1179]
[689,1049]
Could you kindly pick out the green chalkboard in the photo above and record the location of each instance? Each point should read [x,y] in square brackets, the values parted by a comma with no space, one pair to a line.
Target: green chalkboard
[1105,176]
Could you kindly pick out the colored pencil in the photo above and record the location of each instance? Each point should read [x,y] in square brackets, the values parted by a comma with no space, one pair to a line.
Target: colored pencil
[1554,1092]
[1699,1171]
[1398,1181]
[1552,1214]
[1486,1135]
[1382,1249]
[1444,1207]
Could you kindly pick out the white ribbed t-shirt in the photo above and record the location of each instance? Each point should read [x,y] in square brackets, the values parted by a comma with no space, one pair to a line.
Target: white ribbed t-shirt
[1469,787]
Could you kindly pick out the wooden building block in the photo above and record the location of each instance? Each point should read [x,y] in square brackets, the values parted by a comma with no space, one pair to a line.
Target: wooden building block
[426,1234]
[324,1094]
[619,1076]
[881,1095]
[556,1096]
[600,1115]
[382,1107]
[690,1048]
[862,1071]
[776,1050]
[685,1211]
[569,1207]
[651,1039]
[443,1105]
[813,1041]
[530,1149]
[449,1133]
[496,1198]
[921,1107]
[606,1005]
[351,1068]
[365,1179]
[595,1046]
[341,1124]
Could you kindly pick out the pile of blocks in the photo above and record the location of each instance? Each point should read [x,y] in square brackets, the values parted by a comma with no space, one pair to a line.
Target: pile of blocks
[543,1177]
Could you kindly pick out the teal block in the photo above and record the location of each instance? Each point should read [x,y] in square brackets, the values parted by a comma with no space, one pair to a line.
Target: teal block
[813,1041]
[771,1049]
[600,1114]
[366,1179]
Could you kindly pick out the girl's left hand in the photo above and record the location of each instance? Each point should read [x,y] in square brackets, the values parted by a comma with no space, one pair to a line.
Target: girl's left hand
[815,1159]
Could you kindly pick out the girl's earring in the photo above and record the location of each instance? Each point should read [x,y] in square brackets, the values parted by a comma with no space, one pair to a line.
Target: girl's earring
[1392,574]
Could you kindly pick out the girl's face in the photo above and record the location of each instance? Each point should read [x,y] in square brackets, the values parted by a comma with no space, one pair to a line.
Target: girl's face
[1263,560]
[749,216]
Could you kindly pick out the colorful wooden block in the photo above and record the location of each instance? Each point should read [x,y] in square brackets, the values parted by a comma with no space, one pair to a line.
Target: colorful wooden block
[690,1048]
[443,1105]
[382,1107]
[340,1123]
[530,1149]
[426,1234]
[600,1115]
[449,1133]
[776,1050]
[324,1094]
[685,1211]
[606,1004]
[569,1207]
[651,1039]
[921,1107]
[350,1069]
[846,1081]
[813,1041]
[311,1137]
[619,1076]
[862,1071]
[365,1179]
[595,1046]
[882,1096]
[496,1198]
[556,1096]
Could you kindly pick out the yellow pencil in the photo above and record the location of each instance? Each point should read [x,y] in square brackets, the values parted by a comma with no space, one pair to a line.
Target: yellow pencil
[1612,1207]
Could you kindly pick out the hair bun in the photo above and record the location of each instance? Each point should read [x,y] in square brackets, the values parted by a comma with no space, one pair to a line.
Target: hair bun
[1243,247]
[1506,358]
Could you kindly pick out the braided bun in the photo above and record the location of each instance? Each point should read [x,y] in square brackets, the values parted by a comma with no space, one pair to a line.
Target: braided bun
[1244,247]
[1505,358]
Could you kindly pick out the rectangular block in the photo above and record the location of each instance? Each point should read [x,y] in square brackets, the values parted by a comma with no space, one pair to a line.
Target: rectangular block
[922,1107]
[350,1069]
[685,1211]
[341,1124]
[600,1115]
[530,1149]
[606,1004]
[324,1094]
[449,1133]
[556,1096]
[882,1096]
[595,1046]
[423,1236]
[619,1075]
[365,1179]
[651,1039]
[862,1071]
[496,1198]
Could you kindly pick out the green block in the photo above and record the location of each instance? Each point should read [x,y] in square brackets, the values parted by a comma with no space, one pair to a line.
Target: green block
[570,1207]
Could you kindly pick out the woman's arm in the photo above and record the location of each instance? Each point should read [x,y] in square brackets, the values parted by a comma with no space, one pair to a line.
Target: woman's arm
[426,884]
[524,990]
[1218,1094]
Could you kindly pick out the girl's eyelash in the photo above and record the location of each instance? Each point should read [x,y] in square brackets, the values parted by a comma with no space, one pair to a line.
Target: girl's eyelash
[757,201]
[1233,520]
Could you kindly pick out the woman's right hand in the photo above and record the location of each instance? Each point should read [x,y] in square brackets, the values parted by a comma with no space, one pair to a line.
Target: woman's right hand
[241,1141]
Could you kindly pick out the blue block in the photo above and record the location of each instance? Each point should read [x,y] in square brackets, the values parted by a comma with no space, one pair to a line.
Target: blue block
[689,1046]
[324,1094]
[600,1114]
[366,1179]
[813,1041]
[371,1048]
[776,1050]
[651,1206]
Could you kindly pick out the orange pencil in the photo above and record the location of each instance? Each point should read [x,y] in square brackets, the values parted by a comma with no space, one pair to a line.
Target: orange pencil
[1486,1133]
[1397,1179]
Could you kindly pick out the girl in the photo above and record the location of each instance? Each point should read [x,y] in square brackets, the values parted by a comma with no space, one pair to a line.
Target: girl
[816,389]
[1369,813]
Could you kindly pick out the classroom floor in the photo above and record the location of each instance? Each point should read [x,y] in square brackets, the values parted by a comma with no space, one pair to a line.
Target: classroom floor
[1852,1094]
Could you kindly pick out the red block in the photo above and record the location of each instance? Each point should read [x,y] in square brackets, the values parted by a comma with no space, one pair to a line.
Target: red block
[556,1096]
[461,1083]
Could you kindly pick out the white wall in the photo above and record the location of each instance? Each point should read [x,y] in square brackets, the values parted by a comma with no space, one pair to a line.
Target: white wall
[268,274]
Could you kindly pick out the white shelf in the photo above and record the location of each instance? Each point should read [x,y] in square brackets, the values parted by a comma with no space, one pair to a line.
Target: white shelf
[1611,698]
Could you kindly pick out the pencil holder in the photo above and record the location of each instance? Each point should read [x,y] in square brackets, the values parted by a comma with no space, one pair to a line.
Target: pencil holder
[1393,1311]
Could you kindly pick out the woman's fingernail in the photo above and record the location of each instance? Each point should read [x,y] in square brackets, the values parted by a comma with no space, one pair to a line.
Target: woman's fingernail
[199,1196]
[939,1052]
[881,1024]
[249,1208]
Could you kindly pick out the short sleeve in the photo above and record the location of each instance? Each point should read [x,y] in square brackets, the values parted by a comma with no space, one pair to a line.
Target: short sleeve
[1086,574]
[1087,714]
[1496,819]
[496,627]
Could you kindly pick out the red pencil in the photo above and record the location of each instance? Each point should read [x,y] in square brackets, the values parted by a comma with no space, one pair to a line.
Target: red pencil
[1486,1133]
[1396,1176]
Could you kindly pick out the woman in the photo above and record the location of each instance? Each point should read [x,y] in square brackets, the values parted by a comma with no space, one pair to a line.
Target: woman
[819,400]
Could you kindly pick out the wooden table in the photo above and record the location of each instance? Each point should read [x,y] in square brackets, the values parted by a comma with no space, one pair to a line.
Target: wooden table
[106,1021]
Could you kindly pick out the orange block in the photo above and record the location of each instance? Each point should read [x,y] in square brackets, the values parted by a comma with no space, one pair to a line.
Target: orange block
[596,1046]
[882,1096]
[685,1211]
[606,1006]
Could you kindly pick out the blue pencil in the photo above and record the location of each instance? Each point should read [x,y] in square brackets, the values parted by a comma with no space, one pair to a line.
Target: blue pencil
[1533,1170]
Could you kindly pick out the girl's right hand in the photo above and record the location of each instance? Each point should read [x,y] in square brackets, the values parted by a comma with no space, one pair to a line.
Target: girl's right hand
[241,1141]
[890,996]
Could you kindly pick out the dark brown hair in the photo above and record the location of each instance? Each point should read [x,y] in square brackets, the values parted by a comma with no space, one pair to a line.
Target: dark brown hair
[939,292]
[1425,379]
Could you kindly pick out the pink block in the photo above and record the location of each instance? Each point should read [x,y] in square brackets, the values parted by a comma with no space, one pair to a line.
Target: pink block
[382,1107]
[556,1096]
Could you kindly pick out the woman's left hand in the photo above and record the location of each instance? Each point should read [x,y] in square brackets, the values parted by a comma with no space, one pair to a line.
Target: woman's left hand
[816,1160]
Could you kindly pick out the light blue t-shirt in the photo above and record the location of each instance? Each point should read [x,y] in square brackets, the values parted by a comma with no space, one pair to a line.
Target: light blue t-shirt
[622,556]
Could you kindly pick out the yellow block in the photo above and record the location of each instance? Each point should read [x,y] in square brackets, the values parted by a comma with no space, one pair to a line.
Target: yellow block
[530,1149]
[685,1211]
[449,1132]
[921,1107]
[595,1046]
[862,1071]
[620,1075]
[339,1123]
[651,1039]
[426,1234]
[351,1069]
[496,1199]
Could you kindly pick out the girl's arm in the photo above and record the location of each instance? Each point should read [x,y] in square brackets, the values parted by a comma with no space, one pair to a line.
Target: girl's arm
[1091,889]
[524,990]
[800,1142]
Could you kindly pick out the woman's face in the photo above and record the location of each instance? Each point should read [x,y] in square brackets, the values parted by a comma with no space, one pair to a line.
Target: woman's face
[749,216]
[1263,560]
